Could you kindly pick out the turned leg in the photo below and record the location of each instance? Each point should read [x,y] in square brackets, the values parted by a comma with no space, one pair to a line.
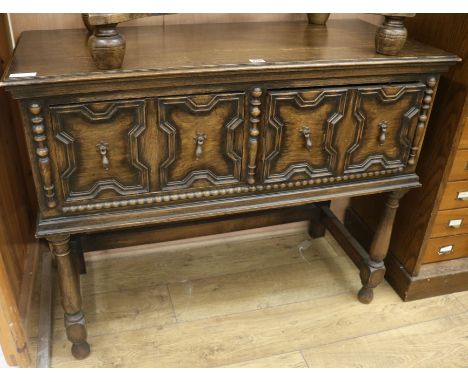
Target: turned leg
[373,271]
[317,227]
[69,284]
[391,35]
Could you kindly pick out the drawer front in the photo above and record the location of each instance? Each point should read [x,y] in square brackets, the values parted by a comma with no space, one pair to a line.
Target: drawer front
[299,135]
[175,148]
[459,170]
[201,140]
[446,248]
[384,121]
[99,149]
[340,131]
[464,138]
[455,196]
[450,222]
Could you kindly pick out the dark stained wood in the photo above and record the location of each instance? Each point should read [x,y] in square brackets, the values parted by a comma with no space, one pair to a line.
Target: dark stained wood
[185,230]
[418,214]
[204,122]
[190,50]
[76,251]
[69,283]
[352,247]
[372,272]
[391,35]
[137,217]
[107,45]
[18,248]
[317,225]
[434,279]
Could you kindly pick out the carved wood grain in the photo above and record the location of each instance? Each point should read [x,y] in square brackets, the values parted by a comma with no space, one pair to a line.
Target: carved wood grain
[286,154]
[255,112]
[42,153]
[397,107]
[218,117]
[81,172]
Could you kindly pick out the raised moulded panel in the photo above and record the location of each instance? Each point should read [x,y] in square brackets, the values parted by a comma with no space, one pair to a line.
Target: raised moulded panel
[202,140]
[384,120]
[99,149]
[298,141]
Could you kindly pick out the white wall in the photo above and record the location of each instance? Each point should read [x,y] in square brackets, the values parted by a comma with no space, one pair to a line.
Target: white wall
[2,359]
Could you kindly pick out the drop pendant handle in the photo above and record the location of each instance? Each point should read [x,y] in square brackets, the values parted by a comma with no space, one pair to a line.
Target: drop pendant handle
[199,140]
[305,131]
[102,149]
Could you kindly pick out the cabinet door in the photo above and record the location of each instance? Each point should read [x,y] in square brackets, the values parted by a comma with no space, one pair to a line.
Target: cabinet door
[99,150]
[201,140]
[384,120]
[299,133]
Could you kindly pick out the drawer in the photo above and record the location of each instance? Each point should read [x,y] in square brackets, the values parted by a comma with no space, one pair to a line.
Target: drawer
[455,196]
[99,149]
[459,170]
[446,248]
[311,133]
[450,222]
[201,140]
[464,138]
[384,120]
[298,140]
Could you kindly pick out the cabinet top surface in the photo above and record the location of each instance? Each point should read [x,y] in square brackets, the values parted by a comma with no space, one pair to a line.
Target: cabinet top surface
[63,56]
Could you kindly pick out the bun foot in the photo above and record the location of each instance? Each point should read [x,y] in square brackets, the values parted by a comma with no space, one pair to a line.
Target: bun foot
[81,350]
[366,295]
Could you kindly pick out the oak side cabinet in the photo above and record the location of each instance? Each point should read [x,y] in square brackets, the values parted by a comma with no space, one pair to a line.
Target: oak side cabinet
[207,121]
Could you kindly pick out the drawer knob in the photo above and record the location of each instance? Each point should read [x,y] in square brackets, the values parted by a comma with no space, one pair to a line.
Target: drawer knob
[199,141]
[445,250]
[383,132]
[305,131]
[462,195]
[102,149]
[455,223]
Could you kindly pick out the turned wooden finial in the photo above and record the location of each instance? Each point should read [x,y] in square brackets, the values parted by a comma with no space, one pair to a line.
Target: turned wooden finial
[106,44]
[107,47]
[391,35]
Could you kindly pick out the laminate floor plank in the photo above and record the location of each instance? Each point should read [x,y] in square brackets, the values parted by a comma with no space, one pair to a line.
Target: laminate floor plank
[288,360]
[128,309]
[437,343]
[255,334]
[194,263]
[263,288]
[256,303]
[463,298]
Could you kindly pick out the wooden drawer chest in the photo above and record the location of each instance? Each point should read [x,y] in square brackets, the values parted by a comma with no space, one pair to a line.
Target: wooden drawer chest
[214,120]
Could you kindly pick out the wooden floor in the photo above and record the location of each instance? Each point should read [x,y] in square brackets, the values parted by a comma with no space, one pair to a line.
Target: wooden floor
[268,300]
